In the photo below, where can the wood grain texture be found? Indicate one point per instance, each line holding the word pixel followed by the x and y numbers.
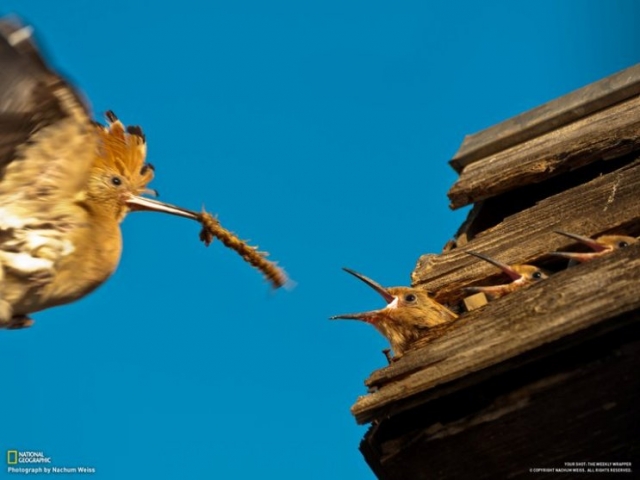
pixel 579 404
pixel 568 302
pixel 600 205
pixel 606 134
pixel 547 117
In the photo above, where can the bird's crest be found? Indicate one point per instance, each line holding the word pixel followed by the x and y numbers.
pixel 125 150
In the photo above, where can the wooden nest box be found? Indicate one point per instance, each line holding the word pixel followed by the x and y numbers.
pixel 547 376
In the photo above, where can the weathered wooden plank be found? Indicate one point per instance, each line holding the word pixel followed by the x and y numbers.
pixel 570 301
pixel 470 381
pixel 604 203
pixel 606 134
pixel 576 405
pixel 547 117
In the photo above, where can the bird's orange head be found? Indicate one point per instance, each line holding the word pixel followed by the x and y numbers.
pixel 405 305
pixel 119 174
pixel 409 313
pixel 520 273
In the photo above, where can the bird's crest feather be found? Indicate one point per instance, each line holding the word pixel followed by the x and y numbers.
pixel 125 150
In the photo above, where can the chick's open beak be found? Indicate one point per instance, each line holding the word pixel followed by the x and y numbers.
pixel 369 315
pixel 591 243
pixel 502 266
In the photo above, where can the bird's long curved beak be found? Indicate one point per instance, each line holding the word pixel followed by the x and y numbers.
pixel 579 257
pixel 363 316
pixel 384 293
pixel 591 243
pixel 502 266
pixel 137 203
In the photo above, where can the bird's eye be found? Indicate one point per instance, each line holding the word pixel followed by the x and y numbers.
pixel 410 297
pixel 537 275
pixel 117 181
pixel 623 244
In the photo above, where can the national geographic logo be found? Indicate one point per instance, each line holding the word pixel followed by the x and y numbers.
pixel 15 457
pixel 35 462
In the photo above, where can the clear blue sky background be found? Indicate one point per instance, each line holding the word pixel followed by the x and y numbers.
pixel 320 131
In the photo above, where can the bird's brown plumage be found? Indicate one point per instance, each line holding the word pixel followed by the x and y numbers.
pixel 65 185
pixel 521 275
pixel 409 313
pixel 47 146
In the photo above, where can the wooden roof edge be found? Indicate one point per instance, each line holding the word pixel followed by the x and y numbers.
pixel 608 134
pixel 598 206
pixel 568 302
pixel 618 325
pixel 549 116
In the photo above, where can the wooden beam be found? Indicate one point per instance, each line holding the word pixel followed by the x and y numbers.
pixel 604 203
pixel 548 117
pixel 606 134
pixel 568 302
pixel 580 403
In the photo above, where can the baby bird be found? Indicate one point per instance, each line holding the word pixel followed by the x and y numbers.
pixel 408 314
pixel 600 246
pixel 521 275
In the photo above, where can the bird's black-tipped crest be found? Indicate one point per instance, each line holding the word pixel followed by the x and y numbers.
pixel 136 130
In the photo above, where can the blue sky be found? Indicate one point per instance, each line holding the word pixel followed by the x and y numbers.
pixel 321 131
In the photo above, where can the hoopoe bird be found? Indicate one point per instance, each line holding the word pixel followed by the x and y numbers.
pixel 66 183
pixel 408 314
pixel 600 246
pixel 520 275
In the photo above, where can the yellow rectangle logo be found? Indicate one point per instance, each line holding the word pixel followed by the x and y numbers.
pixel 12 457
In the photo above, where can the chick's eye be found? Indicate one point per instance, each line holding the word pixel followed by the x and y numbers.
pixel 117 181
pixel 410 297
pixel 537 275
pixel 622 244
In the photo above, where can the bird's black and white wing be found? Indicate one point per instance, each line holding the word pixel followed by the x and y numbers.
pixel 47 146
pixel 47 139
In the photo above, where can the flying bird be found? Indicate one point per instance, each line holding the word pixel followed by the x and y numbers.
pixel 521 275
pixel 408 314
pixel 66 183
pixel 600 246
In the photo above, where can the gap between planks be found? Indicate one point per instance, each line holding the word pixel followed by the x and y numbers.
pixel 606 134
